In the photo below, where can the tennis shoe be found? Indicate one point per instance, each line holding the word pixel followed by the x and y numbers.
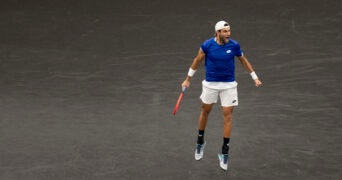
pixel 223 158
pixel 199 151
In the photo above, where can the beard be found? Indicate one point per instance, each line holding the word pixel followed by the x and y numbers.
pixel 223 40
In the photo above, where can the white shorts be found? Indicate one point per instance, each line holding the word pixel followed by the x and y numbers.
pixel 228 97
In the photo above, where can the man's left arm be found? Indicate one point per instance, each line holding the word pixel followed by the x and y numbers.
pixel 245 63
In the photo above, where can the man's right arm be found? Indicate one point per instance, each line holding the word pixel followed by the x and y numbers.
pixel 193 68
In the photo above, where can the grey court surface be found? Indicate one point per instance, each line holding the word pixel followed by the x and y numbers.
pixel 87 90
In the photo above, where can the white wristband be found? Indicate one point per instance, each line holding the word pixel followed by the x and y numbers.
pixel 191 72
pixel 254 76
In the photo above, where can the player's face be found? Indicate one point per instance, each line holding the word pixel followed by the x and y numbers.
pixel 224 35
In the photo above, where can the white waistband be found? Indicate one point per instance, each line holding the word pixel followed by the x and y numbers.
pixel 219 85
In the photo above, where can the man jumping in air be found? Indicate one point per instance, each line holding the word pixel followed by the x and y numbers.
pixel 219 53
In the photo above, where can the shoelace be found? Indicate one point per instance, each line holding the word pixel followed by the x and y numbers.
pixel 198 148
pixel 225 159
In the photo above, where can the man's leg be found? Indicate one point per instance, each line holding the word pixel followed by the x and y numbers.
pixel 227 113
pixel 202 122
pixel 209 98
pixel 229 100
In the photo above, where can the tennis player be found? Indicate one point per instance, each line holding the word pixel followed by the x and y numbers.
pixel 219 53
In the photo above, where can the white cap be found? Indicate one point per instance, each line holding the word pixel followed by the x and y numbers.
pixel 220 25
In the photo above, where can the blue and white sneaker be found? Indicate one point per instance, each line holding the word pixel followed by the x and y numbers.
pixel 223 158
pixel 199 151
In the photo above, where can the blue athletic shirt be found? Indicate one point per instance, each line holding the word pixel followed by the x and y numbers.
pixel 219 60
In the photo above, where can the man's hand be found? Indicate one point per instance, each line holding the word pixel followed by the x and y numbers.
pixel 257 83
pixel 186 83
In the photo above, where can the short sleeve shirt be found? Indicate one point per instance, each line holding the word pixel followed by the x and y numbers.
pixel 219 60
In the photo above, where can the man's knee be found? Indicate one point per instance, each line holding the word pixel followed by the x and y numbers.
pixel 206 108
pixel 227 112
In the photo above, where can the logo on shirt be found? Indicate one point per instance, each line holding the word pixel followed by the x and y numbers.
pixel 228 51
